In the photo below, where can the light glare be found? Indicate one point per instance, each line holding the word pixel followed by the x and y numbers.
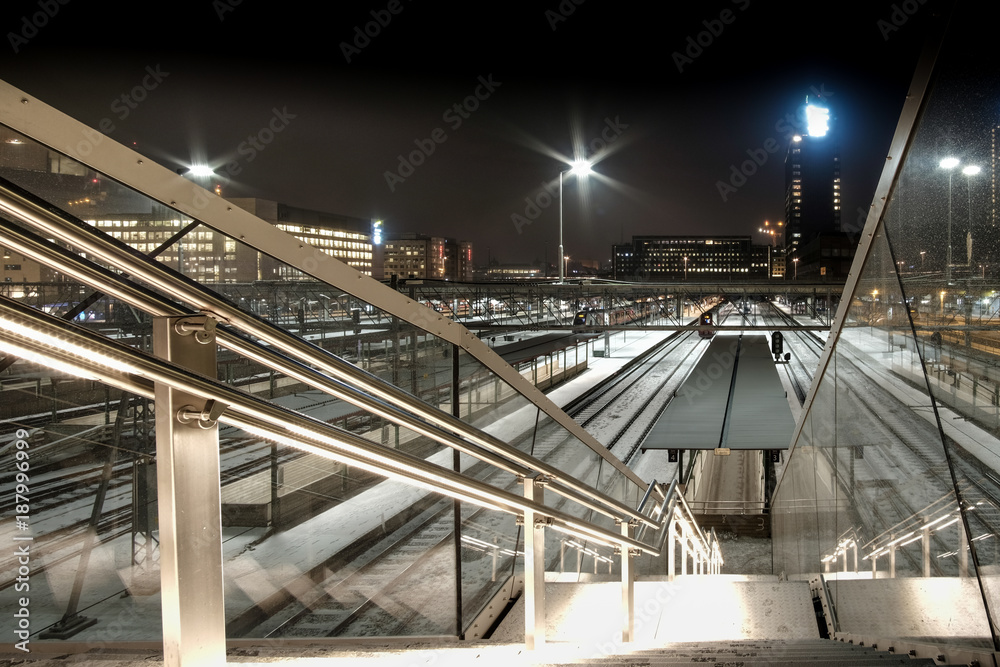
pixel 580 168
pixel 817 120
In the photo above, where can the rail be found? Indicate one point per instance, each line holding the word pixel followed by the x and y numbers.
pixel 69 348
pixel 919 527
pixel 299 359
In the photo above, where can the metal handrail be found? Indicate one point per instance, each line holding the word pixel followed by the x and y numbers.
pixel 74 232
pixel 135 371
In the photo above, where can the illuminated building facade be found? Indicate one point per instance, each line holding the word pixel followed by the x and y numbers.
pixel 345 238
pixel 513 272
pixel 202 253
pixel 411 255
pixel 701 258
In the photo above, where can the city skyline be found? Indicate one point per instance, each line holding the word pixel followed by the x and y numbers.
pixel 389 111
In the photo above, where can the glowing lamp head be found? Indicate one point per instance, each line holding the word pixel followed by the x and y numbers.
pixel 971 170
pixel 201 170
pixel 948 163
pixel 817 120
pixel 580 168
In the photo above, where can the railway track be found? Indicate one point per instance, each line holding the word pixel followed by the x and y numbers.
pixel 380 589
pixel 903 463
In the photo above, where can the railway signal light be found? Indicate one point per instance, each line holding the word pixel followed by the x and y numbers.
pixel 777 344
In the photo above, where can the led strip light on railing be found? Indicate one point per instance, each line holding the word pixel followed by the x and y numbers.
pixel 111 283
pixel 77 351
pixel 152 272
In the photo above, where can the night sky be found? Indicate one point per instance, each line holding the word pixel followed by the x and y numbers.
pixel 295 102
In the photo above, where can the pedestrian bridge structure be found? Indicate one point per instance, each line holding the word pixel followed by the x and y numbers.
pixel 420 488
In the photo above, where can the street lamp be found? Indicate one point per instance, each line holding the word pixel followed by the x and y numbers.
pixel 580 168
pixel 923 255
pixel 948 163
pixel 795 264
pixel 685 267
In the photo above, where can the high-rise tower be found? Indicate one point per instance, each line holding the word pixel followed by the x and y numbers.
pixel 812 181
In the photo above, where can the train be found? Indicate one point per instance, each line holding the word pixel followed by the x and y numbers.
pixel 706 320
pixel 598 317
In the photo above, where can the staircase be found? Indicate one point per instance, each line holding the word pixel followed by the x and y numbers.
pixel 713 619
pixel 745 653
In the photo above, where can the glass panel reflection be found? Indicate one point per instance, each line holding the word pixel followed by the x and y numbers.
pixel 313 546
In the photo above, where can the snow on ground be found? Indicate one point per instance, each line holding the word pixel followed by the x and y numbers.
pixel 256 567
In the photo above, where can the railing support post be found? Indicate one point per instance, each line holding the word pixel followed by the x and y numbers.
pixel 892 557
pixel 925 545
pixel 684 549
pixel 671 548
pixel 534 567
pixel 628 587
pixel 189 498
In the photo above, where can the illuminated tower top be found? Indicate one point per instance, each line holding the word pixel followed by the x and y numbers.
pixel 812 179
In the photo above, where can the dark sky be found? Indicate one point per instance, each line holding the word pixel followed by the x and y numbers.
pixel 601 77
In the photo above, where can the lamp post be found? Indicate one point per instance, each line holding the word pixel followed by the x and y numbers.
pixel 969 172
pixel 685 267
pixel 948 163
pixel 795 264
pixel 923 256
pixel 871 317
pixel 580 168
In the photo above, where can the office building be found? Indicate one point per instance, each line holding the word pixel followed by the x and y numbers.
pixel 410 255
pixel 146 226
pixel 702 258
